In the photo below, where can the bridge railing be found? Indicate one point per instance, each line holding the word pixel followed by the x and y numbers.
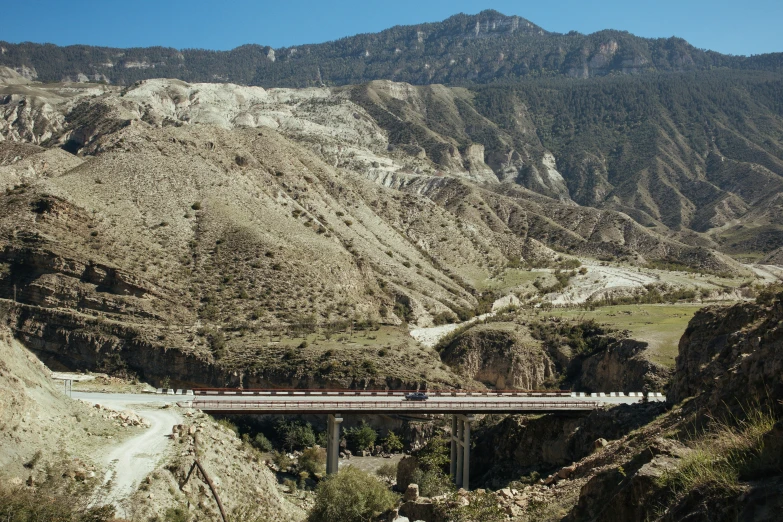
pixel 423 406
pixel 387 393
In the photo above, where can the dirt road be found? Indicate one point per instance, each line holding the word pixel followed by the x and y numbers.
pixel 132 460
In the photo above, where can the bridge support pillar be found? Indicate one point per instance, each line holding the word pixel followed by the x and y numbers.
pixel 453 468
pixel 460 450
pixel 333 442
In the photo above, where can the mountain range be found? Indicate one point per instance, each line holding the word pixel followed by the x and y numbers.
pixel 213 216
pixel 464 49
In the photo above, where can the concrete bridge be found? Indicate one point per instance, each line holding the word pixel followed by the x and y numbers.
pixel 461 405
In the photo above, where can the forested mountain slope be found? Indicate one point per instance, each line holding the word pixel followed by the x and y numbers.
pixel 481 48
pixel 700 151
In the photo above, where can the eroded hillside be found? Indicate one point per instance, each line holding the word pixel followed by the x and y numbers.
pixel 200 231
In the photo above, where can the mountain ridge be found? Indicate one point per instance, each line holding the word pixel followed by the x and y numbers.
pixel 460 50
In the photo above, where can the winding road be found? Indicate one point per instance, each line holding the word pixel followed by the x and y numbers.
pixel 131 461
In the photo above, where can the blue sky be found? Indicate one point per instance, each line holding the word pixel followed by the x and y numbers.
pixel 748 27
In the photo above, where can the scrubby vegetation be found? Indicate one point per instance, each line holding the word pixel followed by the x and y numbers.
pixel 54 500
pixel 724 454
pixel 483 507
pixel 650 294
pixel 530 52
pixel 428 467
pixel 584 337
pixel 351 495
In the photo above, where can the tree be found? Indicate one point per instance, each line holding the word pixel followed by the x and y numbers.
pixel 361 437
pixel 351 495
pixel 392 443
pixel 295 435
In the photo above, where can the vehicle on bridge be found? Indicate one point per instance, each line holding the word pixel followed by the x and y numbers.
pixel 416 396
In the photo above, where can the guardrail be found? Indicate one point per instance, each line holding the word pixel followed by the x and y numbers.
pixel 386 393
pixel 391 406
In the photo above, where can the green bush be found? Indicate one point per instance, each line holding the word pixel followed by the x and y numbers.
pixel 391 442
pixel 281 460
pixel 361 437
pixel 435 454
pixel 295 435
pixel 261 443
pixel 483 507
pixel 176 514
pixel 388 471
pixel 351 495
pixel 291 484
pixel 313 460
pixel 432 482
pixel 50 502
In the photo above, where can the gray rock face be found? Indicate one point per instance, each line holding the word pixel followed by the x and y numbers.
pixel 519 444
pixel 623 367
pixel 502 356
pixel 730 356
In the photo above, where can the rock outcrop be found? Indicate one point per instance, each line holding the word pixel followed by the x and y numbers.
pixel 622 366
pixel 519 444
pixel 500 355
pixel 731 357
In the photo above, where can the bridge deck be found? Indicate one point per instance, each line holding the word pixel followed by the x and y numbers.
pixel 394 406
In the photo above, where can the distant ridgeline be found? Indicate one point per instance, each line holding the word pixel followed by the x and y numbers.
pixel 482 48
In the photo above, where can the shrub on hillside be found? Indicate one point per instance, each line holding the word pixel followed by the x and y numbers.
pixel 432 482
pixel 483 507
pixel 351 495
pixel 261 443
pixel 50 501
pixel 387 471
pixel 313 460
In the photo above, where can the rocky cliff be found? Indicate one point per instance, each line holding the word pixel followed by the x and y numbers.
pixel 623 366
pixel 502 356
pixel 465 48
pixel 728 369
pixel 714 452
pixel 731 357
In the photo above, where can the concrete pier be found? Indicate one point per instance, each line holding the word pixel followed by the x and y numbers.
pixel 333 442
pixel 460 450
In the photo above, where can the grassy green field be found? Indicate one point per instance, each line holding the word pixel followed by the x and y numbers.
pixel 659 325
pixel 508 279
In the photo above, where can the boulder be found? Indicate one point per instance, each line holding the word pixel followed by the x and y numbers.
pixel 566 472
pixel 422 509
pixel 411 493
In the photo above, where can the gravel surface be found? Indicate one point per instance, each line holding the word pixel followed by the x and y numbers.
pixel 131 461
